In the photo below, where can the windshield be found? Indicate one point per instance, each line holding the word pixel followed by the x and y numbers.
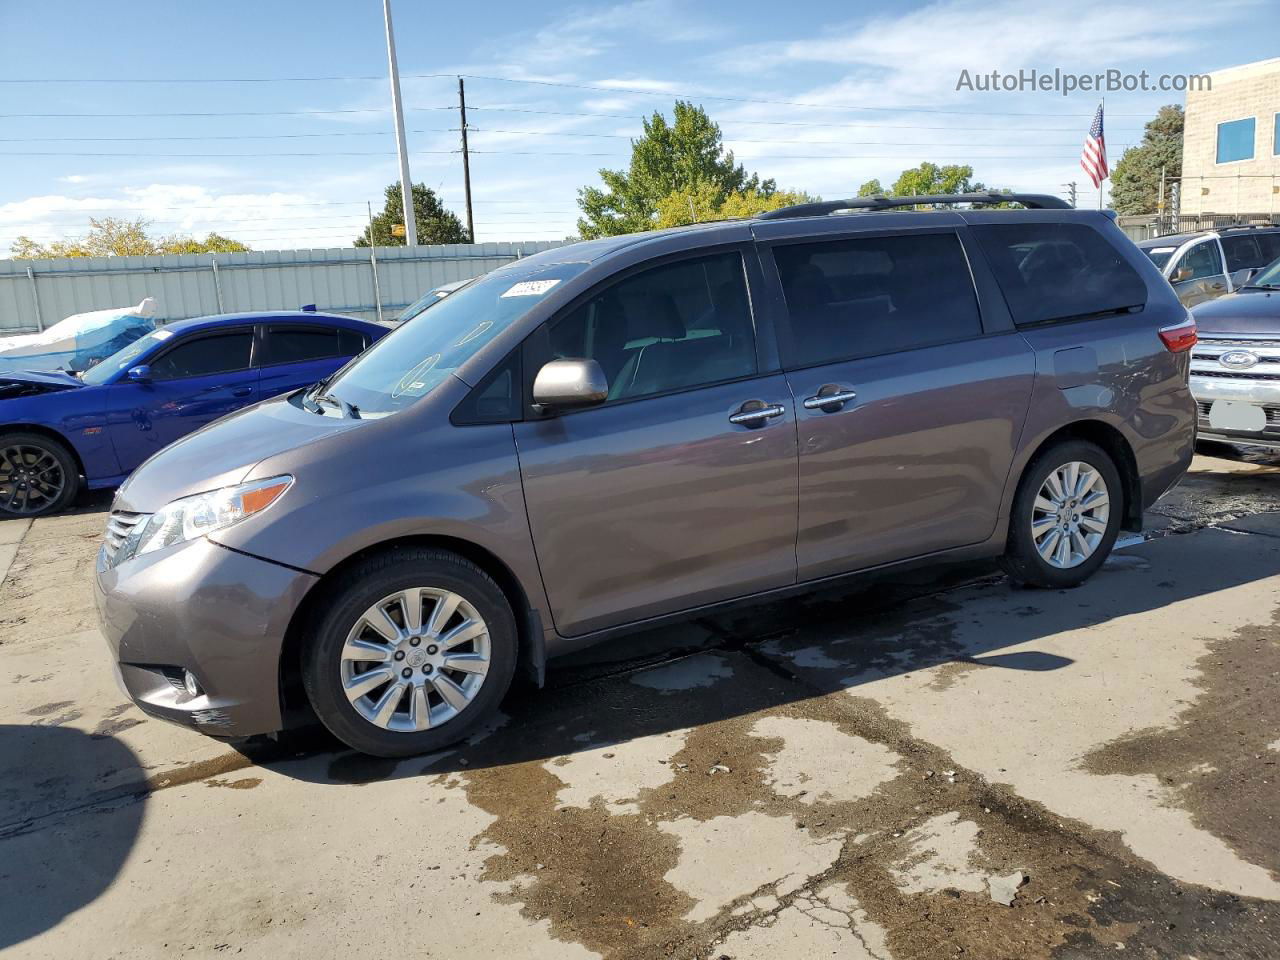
pixel 1269 277
pixel 123 359
pixel 1159 255
pixel 418 355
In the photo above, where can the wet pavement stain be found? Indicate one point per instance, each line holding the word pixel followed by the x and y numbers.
pixel 244 783
pixel 1221 757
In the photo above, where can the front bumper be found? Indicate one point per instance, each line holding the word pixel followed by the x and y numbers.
pixel 201 607
pixel 1264 393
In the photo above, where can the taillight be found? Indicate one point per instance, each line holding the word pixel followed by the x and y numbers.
pixel 1180 337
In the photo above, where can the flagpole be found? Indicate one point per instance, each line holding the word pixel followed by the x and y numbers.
pixel 1102 184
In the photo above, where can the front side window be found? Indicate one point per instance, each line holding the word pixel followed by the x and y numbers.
pixel 419 355
pixel 1200 262
pixel 669 328
pixel 1058 271
pixel 875 295
pixel 1235 140
pixel 205 357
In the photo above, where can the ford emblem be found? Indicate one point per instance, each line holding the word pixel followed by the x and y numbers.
pixel 1238 359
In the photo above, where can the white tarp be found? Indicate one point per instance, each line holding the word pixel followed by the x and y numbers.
pixel 78 342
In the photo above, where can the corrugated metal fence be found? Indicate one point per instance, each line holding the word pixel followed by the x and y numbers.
pixel 35 294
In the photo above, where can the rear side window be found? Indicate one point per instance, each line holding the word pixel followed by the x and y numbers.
pixel 289 344
pixel 205 357
pixel 1058 271
pixel 1243 253
pixel 874 295
pixel 1270 244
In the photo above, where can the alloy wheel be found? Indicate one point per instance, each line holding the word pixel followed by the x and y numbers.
pixel 31 479
pixel 415 659
pixel 1070 513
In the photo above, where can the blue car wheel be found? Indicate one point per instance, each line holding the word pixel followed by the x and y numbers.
pixel 38 475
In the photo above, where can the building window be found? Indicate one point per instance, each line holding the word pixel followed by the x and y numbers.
pixel 1235 140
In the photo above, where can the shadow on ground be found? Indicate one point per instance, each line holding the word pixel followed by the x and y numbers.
pixel 883 626
pixel 53 861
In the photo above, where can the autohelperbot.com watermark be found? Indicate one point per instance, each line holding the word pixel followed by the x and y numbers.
pixel 1057 80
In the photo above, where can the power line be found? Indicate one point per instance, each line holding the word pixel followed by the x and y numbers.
pixel 668 94
pixel 786 123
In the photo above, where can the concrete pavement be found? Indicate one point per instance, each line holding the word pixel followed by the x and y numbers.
pixel 862 774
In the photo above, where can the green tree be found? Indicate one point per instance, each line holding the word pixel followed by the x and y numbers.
pixel 212 243
pixel 435 223
pixel 686 155
pixel 929 178
pixel 1135 181
pixel 115 237
pixel 704 202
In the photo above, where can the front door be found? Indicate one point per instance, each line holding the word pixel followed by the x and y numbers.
pixel 193 383
pixel 680 489
pixel 908 414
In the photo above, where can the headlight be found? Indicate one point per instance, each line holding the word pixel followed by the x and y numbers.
pixel 202 513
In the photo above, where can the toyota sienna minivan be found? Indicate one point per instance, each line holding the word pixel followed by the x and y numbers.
pixel 619 432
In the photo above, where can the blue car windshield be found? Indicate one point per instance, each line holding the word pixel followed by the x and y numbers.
pixel 417 356
pixel 100 373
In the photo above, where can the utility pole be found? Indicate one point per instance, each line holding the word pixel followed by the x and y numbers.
pixel 406 184
pixel 466 159
pixel 1071 191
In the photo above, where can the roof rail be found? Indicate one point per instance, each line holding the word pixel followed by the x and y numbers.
pixel 1033 201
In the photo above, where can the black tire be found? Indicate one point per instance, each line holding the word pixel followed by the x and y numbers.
pixel 39 454
pixel 1022 561
pixel 368 583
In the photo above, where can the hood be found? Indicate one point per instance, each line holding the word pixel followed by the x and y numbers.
pixel 30 383
pixel 1250 311
pixel 223 453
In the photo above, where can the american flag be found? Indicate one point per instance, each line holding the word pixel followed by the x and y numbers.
pixel 1094 156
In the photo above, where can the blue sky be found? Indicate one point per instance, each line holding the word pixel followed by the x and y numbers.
pixel 871 90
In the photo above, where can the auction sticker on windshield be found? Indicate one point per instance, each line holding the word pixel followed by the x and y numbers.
pixel 530 288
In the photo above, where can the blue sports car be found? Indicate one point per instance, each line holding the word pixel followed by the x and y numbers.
pixel 59 432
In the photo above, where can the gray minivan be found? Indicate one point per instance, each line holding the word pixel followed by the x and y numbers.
pixel 621 431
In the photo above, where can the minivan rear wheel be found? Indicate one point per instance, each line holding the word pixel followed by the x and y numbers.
pixel 1066 515
pixel 412 655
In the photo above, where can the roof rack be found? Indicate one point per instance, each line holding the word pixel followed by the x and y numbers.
pixel 1032 201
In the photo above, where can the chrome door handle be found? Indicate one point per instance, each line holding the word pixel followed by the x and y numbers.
pixel 758 414
pixel 829 400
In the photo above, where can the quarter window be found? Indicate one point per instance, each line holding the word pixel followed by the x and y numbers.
pixel 205 357
pixel 875 295
pixel 1058 271
pixel 673 327
pixel 1235 140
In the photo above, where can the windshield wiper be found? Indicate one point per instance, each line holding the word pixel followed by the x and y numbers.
pixel 346 409
pixel 1259 286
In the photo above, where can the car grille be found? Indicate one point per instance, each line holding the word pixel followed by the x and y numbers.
pixel 1250 374
pixel 1273 414
pixel 119 525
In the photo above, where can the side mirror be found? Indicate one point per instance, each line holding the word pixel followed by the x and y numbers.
pixel 1181 274
pixel 569 384
pixel 139 374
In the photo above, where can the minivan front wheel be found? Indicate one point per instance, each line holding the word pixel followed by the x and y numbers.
pixel 1066 515
pixel 414 654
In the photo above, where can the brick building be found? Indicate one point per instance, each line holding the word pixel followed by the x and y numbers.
pixel 1231 145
